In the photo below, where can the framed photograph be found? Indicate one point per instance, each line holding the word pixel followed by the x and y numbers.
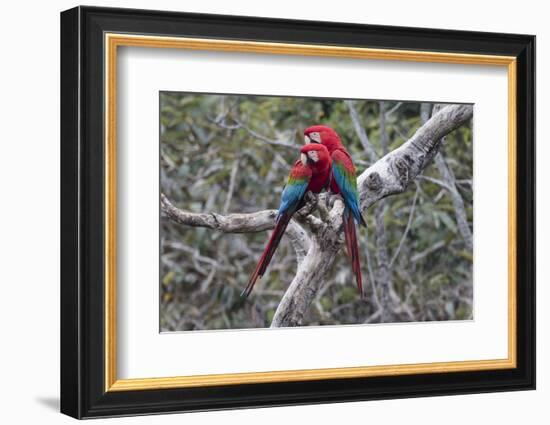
pixel 261 212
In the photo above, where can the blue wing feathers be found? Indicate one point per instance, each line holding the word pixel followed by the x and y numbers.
pixel 349 193
pixel 292 194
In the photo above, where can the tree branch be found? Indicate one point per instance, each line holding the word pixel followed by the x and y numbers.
pixel 392 173
pixel 407 228
pixel 306 282
pixel 384 271
pixel 238 223
pixel 231 223
pixel 360 131
pixel 232 179
pixel 458 202
pixel 299 240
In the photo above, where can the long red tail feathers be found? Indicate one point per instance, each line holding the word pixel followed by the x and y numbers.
pixel 267 255
pixel 352 249
pixel 346 222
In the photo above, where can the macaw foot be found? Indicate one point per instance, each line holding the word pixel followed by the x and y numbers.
pixel 332 198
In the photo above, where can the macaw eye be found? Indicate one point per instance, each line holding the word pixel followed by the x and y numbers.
pixel 315 137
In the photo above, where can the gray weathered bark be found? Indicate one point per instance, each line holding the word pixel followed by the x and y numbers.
pixel 238 223
pixel 308 278
pixel 384 272
pixel 360 131
pixel 392 173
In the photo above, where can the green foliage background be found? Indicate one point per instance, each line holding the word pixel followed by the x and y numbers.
pixel 205 137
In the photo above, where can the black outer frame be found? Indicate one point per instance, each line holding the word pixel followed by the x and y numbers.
pixel 82 218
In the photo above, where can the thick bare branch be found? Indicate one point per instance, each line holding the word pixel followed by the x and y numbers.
pixel 299 239
pixel 306 282
pixel 370 269
pixel 275 142
pixel 237 223
pixel 231 223
pixel 393 109
pixel 392 173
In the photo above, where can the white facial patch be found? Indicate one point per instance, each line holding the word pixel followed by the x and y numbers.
pixel 315 136
pixel 313 155
pixel 303 158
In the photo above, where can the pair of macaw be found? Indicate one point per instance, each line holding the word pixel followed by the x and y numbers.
pixel 324 164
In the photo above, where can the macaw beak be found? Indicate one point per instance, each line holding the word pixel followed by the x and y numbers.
pixel 306 139
pixel 303 158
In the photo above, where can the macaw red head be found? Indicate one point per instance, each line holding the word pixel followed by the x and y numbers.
pixel 315 155
pixel 324 135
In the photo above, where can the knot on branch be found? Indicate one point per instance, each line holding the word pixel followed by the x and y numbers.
pixel 374 181
pixel 217 219
pixel 402 166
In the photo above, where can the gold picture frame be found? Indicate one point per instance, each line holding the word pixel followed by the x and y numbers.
pixel 114 41
pixel 91 40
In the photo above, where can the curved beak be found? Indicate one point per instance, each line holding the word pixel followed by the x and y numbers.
pixel 303 158
pixel 306 139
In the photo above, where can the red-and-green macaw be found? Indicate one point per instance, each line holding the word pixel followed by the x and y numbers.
pixel 343 182
pixel 310 173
